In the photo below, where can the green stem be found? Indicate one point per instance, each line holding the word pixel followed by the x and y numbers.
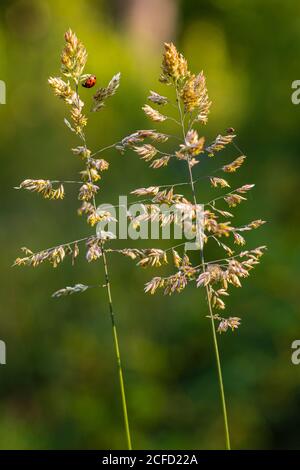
pixel 112 316
pixel 221 384
pixel 215 341
pixel 117 351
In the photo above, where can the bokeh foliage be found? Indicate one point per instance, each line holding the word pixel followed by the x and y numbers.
pixel 59 388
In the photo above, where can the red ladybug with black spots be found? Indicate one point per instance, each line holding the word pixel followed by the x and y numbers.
pixel 230 130
pixel 90 81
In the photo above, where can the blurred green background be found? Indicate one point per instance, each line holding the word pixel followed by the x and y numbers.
pixel 59 388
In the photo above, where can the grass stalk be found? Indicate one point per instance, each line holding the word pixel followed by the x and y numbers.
pixel 117 350
pixel 214 334
pixel 111 312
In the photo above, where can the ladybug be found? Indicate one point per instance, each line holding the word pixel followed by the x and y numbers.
pixel 230 130
pixel 90 81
